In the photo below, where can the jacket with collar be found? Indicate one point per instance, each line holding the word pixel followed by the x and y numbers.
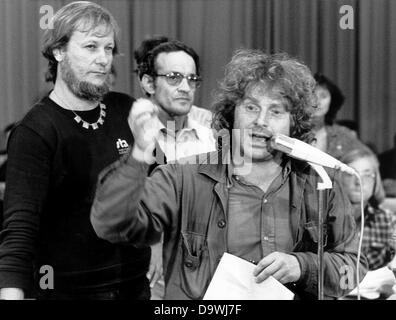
pixel 189 204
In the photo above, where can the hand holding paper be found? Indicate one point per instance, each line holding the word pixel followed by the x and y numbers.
pixel 234 280
pixel 282 266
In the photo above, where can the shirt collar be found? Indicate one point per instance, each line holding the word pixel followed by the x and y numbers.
pixel 190 126
pixel 221 169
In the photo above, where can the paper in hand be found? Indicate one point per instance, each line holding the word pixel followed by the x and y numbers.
pixel 234 280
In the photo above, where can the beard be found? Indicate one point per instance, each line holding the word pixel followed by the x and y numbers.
pixel 83 89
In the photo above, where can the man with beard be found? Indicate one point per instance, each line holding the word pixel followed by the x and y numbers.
pixel 48 248
pixel 249 200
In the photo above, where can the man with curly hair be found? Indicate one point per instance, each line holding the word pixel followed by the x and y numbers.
pixel 249 200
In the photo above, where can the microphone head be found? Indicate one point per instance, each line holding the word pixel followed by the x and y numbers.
pixel 280 142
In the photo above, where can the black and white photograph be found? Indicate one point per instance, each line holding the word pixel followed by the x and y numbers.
pixel 196 157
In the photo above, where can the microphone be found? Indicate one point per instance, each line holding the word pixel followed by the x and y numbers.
pixel 303 151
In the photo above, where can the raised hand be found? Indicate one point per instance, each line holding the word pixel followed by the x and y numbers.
pixel 145 126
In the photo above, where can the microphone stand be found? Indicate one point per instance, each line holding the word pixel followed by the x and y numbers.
pixel 321 187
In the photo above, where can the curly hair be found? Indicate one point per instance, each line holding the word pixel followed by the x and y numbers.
pixel 291 78
pixel 81 16
pixel 336 97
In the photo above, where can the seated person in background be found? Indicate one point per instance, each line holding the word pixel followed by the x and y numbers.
pixel 330 137
pixel 379 224
pixel 387 161
pixel 249 200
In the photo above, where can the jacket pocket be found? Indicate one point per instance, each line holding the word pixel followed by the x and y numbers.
pixel 194 268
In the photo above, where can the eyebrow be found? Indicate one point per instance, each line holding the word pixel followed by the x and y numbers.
pixel 251 99
pixel 93 40
pixel 278 104
pixel 179 72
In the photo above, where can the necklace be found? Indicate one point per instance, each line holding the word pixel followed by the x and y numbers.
pixel 84 123
pixel 94 125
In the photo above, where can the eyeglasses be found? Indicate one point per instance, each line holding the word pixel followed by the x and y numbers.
pixel 176 78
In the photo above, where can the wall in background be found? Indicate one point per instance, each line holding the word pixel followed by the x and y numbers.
pixel 362 61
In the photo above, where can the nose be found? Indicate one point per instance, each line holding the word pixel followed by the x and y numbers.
pixel 262 118
pixel 103 57
pixel 184 86
pixel 356 182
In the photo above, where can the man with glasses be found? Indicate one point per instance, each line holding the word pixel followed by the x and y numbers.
pixel 169 75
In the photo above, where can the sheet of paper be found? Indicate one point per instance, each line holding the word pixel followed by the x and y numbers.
pixel 371 285
pixel 233 280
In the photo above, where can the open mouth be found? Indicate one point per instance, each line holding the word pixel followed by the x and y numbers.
pixel 261 134
pixel 260 138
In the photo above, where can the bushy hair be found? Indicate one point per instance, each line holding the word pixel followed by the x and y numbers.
pixel 81 16
pixel 279 72
pixel 336 97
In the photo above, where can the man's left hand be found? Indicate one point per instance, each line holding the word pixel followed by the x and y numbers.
pixel 155 270
pixel 282 266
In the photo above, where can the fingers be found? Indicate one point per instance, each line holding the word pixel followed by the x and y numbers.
pixel 142 111
pixel 156 263
pixel 283 267
pixel 266 269
pixel 141 119
pixel 281 275
pixel 143 105
pixel 156 276
pixel 264 263
pixel 150 272
pixel 145 126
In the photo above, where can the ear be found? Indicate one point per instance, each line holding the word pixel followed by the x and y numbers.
pixel 59 54
pixel 148 84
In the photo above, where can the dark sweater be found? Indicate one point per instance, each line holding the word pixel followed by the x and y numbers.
pixel 53 164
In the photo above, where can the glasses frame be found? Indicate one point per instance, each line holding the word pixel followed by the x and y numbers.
pixel 194 81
